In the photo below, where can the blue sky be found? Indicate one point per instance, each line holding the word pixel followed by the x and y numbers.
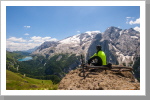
pixel 32 25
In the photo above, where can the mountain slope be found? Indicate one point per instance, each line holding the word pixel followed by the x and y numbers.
pixel 125 44
pixel 75 45
pixel 98 81
pixel 16 81
pixel 120 46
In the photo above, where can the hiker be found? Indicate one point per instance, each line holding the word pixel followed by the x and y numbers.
pixel 99 57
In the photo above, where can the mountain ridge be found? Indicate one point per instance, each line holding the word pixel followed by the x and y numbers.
pixel 122 47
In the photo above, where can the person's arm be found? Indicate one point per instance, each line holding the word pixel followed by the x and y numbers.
pixel 93 55
pixel 91 58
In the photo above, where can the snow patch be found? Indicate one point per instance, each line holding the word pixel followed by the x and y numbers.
pixel 70 40
pixel 120 32
pixel 134 37
pixel 92 32
pixel 115 48
pixel 125 59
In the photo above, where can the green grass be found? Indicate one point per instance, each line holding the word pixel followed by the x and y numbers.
pixel 16 81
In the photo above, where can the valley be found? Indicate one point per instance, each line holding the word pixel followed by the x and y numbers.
pixel 52 61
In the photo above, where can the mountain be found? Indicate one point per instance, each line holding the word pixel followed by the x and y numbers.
pixel 99 81
pixel 75 45
pixel 121 46
pixel 125 44
pixel 31 50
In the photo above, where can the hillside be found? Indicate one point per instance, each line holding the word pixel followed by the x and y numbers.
pixel 16 81
pixel 98 81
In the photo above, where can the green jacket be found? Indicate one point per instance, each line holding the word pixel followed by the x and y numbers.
pixel 102 55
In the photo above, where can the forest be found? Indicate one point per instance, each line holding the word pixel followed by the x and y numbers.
pixel 40 67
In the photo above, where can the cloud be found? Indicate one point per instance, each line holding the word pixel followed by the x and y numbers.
pixel 137 28
pixel 78 31
pixel 20 44
pixel 26 34
pixel 137 21
pixel 36 38
pixel 16 39
pixel 118 26
pixel 128 18
pixel 42 39
pixel 27 26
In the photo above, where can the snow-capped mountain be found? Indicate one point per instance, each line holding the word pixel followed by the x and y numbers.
pixel 77 44
pixel 121 46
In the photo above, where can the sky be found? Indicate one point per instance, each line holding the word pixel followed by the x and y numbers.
pixel 30 26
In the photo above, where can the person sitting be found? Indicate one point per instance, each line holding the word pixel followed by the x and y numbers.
pixel 99 57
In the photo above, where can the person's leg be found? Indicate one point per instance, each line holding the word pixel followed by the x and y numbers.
pixel 97 61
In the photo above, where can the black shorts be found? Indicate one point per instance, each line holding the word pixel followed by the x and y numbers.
pixel 96 61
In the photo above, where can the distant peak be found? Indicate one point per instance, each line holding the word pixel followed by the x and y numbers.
pixel 113 27
pixel 131 29
pixel 92 32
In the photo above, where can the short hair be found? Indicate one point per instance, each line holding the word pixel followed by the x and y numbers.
pixel 98 47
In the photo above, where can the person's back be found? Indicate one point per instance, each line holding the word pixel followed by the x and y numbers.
pixel 102 55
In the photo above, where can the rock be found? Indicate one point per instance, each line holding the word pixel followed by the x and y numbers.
pixel 98 81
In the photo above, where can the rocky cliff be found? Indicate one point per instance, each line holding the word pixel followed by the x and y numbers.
pixel 100 80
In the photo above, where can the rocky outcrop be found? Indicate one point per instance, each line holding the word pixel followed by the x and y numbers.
pixel 124 44
pixel 99 81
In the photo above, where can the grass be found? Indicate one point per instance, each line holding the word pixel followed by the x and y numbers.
pixel 16 81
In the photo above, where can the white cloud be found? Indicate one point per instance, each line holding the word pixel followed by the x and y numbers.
pixel 21 44
pixel 46 38
pixel 128 18
pixel 16 39
pixel 36 39
pixel 42 39
pixel 53 39
pixel 26 34
pixel 137 21
pixel 27 26
pixel 137 28
pixel 78 31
